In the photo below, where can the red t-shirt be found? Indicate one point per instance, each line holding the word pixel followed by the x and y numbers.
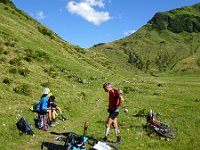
pixel 113 98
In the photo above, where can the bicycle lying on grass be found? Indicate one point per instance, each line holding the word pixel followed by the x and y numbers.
pixel 161 128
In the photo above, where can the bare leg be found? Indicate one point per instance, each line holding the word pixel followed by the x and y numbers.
pixel 108 124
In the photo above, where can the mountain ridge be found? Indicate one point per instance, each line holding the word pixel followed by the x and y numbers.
pixel 166 39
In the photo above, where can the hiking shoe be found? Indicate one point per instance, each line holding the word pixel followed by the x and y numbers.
pixel 57 122
pixel 119 141
pixel 105 139
pixel 52 124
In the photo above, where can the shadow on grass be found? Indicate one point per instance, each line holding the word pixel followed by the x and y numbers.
pixel 52 146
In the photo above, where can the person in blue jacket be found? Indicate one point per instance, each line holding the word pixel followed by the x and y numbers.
pixel 43 106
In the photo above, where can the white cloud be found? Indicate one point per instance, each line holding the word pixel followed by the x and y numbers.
pixel 98 3
pixel 40 15
pixel 129 32
pixel 86 10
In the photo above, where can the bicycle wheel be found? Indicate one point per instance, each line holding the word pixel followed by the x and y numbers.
pixel 164 133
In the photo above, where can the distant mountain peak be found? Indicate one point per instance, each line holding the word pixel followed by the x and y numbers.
pixel 178 20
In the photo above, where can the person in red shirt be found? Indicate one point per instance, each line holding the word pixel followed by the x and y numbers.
pixel 115 100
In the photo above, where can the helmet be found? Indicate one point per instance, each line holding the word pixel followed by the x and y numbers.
pixel 46 91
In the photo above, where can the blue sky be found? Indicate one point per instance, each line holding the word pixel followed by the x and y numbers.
pixel 88 22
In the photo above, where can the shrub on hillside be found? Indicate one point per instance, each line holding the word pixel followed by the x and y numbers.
pixel 34 54
pixel 2 59
pixel 46 31
pixel 45 84
pixel 128 89
pixel 76 78
pixel 6 81
pixel 13 70
pixel 15 61
pixel 51 71
pixel 24 72
pixel 10 43
pixel 23 89
pixel 21 71
pixel 6 8
pixel 80 50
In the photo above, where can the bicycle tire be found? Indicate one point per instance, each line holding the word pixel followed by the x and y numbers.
pixel 164 133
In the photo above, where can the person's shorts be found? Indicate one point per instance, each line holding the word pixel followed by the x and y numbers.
pixel 53 105
pixel 113 114
pixel 43 112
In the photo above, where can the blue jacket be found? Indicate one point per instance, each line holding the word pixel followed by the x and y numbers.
pixel 43 104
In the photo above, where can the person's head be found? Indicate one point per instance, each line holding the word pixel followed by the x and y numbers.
pixel 52 99
pixel 107 86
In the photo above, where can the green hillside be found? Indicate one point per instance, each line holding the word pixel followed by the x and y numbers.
pixel 169 41
pixel 33 57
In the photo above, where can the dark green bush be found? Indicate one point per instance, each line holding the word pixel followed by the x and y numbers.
pixel 51 72
pixel 28 59
pixel 24 72
pixel 7 81
pixel 75 78
pixel 128 89
pixel 6 8
pixel 80 50
pixel 10 43
pixel 32 54
pixel 2 59
pixel 15 61
pixel 45 84
pixel 46 31
pixel 13 70
pixel 23 89
pixel 5 52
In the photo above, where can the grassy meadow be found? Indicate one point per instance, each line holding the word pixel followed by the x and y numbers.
pixel 175 101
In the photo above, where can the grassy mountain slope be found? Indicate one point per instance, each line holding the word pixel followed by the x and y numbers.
pixel 162 44
pixel 33 57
